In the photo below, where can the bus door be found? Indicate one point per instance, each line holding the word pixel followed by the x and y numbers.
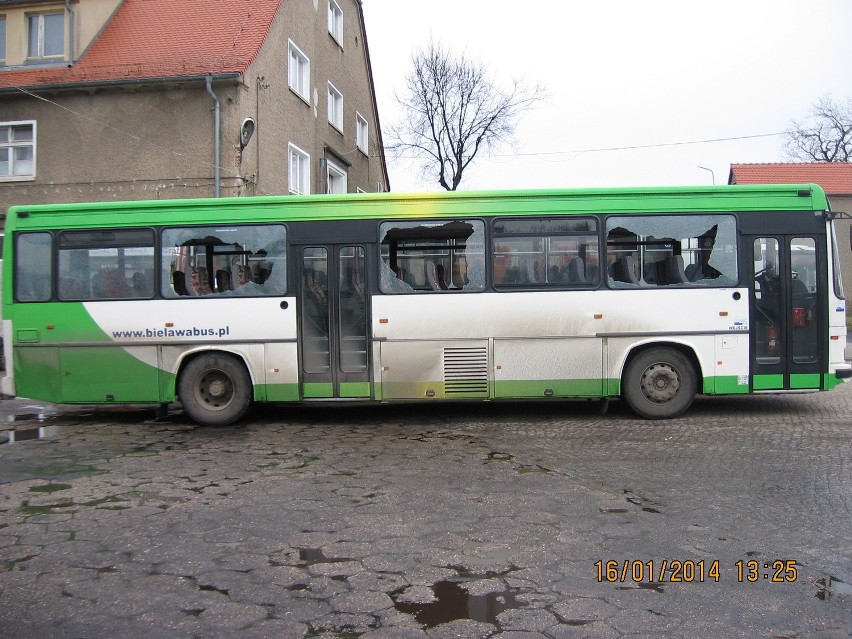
pixel 334 322
pixel 786 326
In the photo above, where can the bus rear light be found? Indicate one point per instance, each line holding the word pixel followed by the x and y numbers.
pixel 723 313
pixel 598 315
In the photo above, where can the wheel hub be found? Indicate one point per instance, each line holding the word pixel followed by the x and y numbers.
pixel 217 388
pixel 660 383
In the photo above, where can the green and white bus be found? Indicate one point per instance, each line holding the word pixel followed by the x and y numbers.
pixel 652 295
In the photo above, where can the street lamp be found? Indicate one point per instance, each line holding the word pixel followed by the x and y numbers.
pixel 712 175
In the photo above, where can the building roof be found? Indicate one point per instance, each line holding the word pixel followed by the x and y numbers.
pixel 834 177
pixel 153 39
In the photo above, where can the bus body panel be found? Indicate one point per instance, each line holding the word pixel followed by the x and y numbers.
pixel 557 343
pixel 109 354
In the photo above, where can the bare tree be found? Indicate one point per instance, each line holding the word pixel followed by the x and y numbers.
pixel 454 110
pixel 825 136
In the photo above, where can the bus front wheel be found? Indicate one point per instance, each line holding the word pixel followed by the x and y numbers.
pixel 659 383
pixel 215 390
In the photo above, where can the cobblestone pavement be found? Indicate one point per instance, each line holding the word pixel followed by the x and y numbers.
pixel 463 520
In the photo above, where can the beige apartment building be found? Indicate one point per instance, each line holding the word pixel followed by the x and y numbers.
pixel 153 99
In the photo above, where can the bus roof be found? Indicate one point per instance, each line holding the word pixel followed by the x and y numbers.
pixel 645 200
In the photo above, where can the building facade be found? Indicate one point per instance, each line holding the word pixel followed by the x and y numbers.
pixel 155 99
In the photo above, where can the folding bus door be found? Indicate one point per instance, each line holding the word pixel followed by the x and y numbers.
pixel 334 323
pixel 787 325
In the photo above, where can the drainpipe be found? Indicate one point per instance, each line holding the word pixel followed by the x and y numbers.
pixel 71 43
pixel 217 179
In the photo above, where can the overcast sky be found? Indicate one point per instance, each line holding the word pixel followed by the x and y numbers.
pixel 626 73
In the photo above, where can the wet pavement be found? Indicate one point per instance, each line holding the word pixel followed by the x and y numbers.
pixel 463 520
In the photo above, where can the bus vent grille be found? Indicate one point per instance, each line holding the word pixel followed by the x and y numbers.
pixel 466 372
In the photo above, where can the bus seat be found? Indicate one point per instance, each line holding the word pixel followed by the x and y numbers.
pixel 434 273
pixel 244 275
pixel 674 270
pixel 577 270
pixel 223 281
pixel 179 283
pixel 624 270
pixel 204 281
pixel 692 272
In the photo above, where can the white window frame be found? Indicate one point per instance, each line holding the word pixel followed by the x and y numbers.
pixel 335 107
pixel 38 19
pixel 337 180
pixel 8 146
pixel 298 170
pixel 335 21
pixel 298 71
pixel 362 133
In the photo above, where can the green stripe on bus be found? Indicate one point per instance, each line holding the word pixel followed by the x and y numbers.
pixel 317 390
pixel 767 382
pixel 724 385
pixel 354 389
pixel 806 380
pixel 276 393
pixel 549 388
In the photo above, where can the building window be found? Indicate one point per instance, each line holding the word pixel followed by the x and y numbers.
pixel 300 171
pixel 299 72
pixel 17 150
pixel 335 107
pixel 2 39
pixel 46 35
pixel 335 21
pixel 336 179
pixel 362 131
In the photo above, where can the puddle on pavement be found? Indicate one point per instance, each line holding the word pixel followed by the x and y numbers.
pixel 830 587
pixel 453 602
pixel 27 434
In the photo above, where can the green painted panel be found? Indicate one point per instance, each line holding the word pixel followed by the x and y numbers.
pixel 613 387
pixel 277 392
pixel 116 374
pixel 831 381
pixel 557 388
pixel 317 391
pixel 724 385
pixel 37 373
pixel 806 380
pixel 69 321
pixel 768 382
pixel 355 389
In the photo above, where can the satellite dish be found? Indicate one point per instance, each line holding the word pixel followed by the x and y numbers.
pixel 246 131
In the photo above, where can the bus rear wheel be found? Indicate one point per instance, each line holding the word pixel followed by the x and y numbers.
pixel 659 383
pixel 215 390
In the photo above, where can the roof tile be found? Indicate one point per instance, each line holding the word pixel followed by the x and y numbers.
pixel 834 177
pixel 165 38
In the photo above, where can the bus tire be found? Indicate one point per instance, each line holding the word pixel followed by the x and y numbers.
pixel 215 390
pixel 659 383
